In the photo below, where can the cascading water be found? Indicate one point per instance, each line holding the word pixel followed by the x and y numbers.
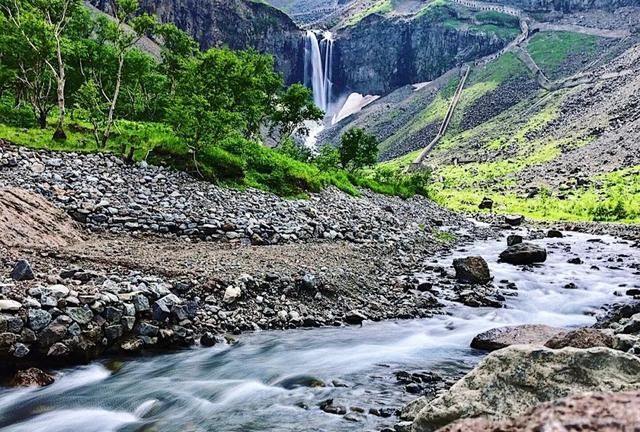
pixel 318 57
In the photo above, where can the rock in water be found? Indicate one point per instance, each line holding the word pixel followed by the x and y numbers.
pixel 591 412
pixel 524 253
pixel 22 271
pixel 514 220
pixel 554 234
pixel 503 337
pixel 472 270
pixel 514 239
pixel 32 377
pixel 581 338
pixel 510 381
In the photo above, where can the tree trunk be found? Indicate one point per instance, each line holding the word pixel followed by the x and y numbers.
pixel 42 119
pixel 114 101
pixel 59 134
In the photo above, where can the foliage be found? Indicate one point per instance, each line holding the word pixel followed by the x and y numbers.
pixel 563 43
pixel 293 108
pixel 357 149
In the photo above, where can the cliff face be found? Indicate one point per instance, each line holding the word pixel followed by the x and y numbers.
pixel 381 54
pixel 237 24
pixel 568 6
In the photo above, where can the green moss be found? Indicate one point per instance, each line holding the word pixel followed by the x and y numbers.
pixel 551 49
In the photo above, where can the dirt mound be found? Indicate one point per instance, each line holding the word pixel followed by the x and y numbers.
pixel 29 220
pixel 601 412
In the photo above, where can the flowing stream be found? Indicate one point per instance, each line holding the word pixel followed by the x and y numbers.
pixel 251 386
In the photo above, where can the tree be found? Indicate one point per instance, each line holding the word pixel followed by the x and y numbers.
pixel 126 31
pixel 222 93
pixel 358 149
pixel 295 107
pixel 42 24
pixel 178 48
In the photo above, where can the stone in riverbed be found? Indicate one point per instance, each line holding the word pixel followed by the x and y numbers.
pixel 32 377
pixel 328 407
pixel 581 338
pixel 38 319
pixel 9 306
pixel 231 294
pixel 355 317
pixel 209 339
pixel 81 315
pixel 514 239
pixel 554 234
pixel 22 271
pixel 524 253
pixel 503 337
pixel 514 220
pixel 510 381
pixel 472 270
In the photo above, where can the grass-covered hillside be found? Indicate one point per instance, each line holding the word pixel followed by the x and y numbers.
pixel 569 154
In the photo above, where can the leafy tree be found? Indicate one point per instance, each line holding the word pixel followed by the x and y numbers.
pixel 42 25
pixel 178 48
pixel 294 107
pixel 358 149
pixel 328 158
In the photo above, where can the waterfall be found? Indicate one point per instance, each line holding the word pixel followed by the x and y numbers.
pixel 318 57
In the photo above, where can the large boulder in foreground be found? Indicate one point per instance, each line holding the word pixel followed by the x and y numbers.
pixel 472 270
pixel 524 253
pixel 589 412
pixel 581 338
pixel 498 338
pixel 512 380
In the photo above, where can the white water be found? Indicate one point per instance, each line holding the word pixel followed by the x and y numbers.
pixel 236 388
pixel 318 67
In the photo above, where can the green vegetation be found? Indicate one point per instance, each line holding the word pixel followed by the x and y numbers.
pixel 73 81
pixel 379 7
pixel 563 43
pixel 358 150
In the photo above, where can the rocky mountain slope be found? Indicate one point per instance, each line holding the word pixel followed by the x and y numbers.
pixel 238 24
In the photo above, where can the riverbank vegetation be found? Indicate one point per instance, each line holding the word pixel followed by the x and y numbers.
pixel 75 80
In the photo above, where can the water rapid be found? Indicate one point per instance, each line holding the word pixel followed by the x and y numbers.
pixel 252 385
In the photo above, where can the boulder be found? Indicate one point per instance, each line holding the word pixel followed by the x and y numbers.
pixel 554 234
pixel 355 317
pixel 590 412
pixel 22 271
pixel 31 378
pixel 231 294
pixel 581 338
pixel 486 204
pixel 510 381
pixel 502 337
pixel 524 253
pixel 514 220
pixel 9 306
pixel 473 270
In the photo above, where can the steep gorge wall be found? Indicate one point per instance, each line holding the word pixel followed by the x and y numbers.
pixel 237 24
pixel 381 54
pixel 569 6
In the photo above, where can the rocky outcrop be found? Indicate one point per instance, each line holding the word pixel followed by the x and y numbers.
pixel 238 24
pixel 592 412
pixel 568 6
pixel 510 381
pixel 380 54
pixel 498 338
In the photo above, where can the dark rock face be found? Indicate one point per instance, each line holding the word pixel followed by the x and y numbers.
pixel 380 54
pixel 581 338
pixel 473 270
pixel 524 253
pixel 569 5
pixel 237 24
pixel 503 337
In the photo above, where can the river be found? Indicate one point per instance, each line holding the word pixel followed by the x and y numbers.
pixel 251 385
